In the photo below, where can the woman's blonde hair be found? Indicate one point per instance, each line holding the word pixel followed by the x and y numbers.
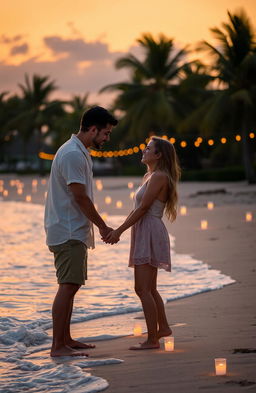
pixel 168 163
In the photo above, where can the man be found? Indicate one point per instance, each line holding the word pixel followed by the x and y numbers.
pixel 69 218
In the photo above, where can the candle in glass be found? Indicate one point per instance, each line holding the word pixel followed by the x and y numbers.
pixel 137 330
pixel 108 200
pixel 210 205
pixel 169 344
pixel 204 224
pixel 220 366
pixel 183 210
pixel 248 216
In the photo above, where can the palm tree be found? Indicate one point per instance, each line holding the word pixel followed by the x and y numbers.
pixel 38 113
pixel 234 67
pixel 147 100
pixel 71 119
pixel 3 115
pixel 10 107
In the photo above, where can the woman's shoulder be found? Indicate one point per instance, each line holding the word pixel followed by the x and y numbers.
pixel 145 177
pixel 160 175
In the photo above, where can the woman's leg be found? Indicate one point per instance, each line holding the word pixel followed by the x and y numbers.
pixel 163 326
pixel 144 275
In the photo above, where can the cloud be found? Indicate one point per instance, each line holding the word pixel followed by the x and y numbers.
pixel 86 69
pixel 19 49
pixel 10 40
pixel 78 48
pixel 69 78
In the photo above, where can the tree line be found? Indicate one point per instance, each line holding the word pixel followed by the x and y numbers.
pixel 165 93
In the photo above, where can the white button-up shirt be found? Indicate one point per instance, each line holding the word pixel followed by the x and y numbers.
pixel 64 219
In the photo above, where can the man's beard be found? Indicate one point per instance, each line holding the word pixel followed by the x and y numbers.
pixel 96 144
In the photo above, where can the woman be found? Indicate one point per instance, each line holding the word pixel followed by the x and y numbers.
pixel 150 245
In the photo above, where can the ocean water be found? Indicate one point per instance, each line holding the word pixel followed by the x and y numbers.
pixel 28 286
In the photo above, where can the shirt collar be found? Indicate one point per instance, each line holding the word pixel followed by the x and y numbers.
pixel 81 145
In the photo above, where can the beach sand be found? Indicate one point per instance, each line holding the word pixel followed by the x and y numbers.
pixel 206 326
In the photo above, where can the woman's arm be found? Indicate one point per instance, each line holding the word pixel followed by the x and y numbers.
pixel 155 184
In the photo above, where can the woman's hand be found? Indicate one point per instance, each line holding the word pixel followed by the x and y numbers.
pixel 112 237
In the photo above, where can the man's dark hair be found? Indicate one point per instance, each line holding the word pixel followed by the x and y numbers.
pixel 97 116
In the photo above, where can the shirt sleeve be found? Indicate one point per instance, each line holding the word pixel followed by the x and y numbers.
pixel 72 168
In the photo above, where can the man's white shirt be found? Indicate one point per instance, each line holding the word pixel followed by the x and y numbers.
pixel 64 219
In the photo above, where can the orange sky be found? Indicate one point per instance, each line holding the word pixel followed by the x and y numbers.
pixel 48 37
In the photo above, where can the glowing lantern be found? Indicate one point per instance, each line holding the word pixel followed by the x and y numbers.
pixel 99 185
pixel 248 216
pixel 204 224
pixel 220 366
pixel 137 330
pixel 119 204
pixel 132 193
pixel 104 216
pixel 183 210
pixel 210 205
pixel 108 200
pixel 169 344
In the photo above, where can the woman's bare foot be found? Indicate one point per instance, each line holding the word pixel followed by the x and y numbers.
pixel 66 351
pixel 79 345
pixel 146 345
pixel 164 332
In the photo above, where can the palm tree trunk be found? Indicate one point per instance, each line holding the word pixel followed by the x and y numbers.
pixel 41 163
pixel 248 156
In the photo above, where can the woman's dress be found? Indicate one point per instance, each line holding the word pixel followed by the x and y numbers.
pixel 150 243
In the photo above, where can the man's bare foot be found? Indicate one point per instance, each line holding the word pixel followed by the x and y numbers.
pixel 66 351
pixel 146 345
pixel 164 332
pixel 79 345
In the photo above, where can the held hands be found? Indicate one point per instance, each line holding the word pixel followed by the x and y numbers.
pixel 104 231
pixel 109 235
pixel 112 237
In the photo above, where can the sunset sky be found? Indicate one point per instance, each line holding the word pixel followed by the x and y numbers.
pixel 77 42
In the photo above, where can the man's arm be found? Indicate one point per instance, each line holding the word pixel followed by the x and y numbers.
pixel 86 205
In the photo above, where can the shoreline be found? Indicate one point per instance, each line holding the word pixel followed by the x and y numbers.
pixel 213 324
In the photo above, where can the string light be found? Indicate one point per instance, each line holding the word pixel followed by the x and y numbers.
pixel 136 149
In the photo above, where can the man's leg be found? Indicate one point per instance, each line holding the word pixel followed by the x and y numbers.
pixel 61 315
pixel 67 335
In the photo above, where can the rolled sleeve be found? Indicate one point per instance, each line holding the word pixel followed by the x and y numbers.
pixel 72 168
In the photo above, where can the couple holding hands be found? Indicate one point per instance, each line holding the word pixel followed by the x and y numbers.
pixel 70 215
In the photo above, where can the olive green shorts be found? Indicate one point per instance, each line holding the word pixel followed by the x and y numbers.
pixel 70 259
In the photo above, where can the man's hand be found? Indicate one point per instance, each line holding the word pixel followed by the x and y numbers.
pixel 104 231
pixel 112 237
